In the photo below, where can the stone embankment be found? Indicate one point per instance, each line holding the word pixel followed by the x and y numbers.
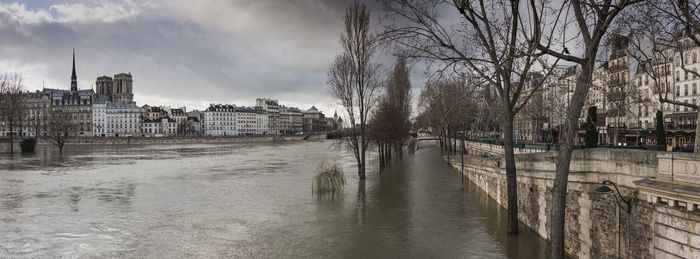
pixel 4 146
pixel 662 223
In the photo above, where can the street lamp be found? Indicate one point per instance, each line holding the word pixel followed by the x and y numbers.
pixel 620 201
pixel 627 208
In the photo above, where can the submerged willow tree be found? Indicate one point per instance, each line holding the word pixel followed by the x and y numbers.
pixel 329 180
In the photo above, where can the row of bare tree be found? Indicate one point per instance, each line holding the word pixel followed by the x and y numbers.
pixel 390 123
pixel 12 107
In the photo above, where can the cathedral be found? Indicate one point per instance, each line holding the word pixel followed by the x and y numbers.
pixel 118 89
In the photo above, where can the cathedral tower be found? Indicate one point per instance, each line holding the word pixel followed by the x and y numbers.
pixel 73 77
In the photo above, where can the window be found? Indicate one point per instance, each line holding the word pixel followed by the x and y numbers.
pixel 685 77
pixel 678 76
pixel 695 89
pixel 686 90
pixel 678 90
pixel 695 57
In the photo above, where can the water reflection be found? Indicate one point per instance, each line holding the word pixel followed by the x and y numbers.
pixel 243 200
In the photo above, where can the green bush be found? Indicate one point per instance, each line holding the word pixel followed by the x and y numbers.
pixel 28 145
pixel 329 180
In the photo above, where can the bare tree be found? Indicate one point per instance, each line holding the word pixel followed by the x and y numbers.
pixel 58 127
pixel 591 19
pixel 13 109
pixel 491 39
pixel 448 105
pixel 353 79
pixel 390 123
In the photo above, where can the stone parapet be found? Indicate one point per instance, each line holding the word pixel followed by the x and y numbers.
pixel 4 147
pixel 681 167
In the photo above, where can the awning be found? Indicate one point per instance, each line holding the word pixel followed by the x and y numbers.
pixel 632 133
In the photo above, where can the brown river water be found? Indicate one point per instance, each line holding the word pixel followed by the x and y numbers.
pixel 244 200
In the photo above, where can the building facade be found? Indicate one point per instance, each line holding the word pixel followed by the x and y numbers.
pixel 163 127
pixel 271 107
pixel 291 121
pixel 219 120
pixel 116 120
pixel 252 121
pixel 314 121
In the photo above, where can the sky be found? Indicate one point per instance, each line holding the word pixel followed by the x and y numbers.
pixel 181 53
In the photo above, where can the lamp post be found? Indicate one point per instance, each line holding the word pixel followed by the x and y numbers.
pixel 620 201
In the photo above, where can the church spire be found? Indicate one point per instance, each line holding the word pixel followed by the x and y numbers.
pixel 73 77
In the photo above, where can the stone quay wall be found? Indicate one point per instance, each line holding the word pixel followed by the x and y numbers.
pixel 594 221
pixel 5 146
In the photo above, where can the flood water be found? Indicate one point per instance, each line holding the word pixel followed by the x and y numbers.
pixel 244 200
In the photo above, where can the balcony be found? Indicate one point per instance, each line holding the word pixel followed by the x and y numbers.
pixel 616 82
pixel 616 96
pixel 618 67
pixel 685 126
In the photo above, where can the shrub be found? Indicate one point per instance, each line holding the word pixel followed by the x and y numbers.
pixel 27 145
pixel 329 180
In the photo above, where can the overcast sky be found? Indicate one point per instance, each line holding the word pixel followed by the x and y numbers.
pixel 180 52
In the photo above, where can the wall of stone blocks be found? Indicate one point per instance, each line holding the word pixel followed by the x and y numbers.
pixel 592 224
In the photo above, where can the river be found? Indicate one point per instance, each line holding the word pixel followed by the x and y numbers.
pixel 244 200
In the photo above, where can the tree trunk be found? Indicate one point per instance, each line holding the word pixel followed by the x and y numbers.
pixel 638 127
pixel 12 140
pixel 564 160
pixel 697 134
pixel 388 152
pixel 462 151
pixel 381 157
pixel 617 128
pixel 511 177
pixel 360 155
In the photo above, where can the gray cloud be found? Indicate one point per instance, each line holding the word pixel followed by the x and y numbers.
pixel 180 53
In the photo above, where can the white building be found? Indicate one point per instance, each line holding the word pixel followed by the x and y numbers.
pixel 252 121
pixel 163 127
pixel 116 119
pixel 219 120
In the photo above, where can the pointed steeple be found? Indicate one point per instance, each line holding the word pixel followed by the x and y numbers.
pixel 73 77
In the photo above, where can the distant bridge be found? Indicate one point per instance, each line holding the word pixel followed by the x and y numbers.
pixel 428 137
pixel 424 138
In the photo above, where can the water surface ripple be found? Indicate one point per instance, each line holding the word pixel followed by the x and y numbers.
pixel 244 200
